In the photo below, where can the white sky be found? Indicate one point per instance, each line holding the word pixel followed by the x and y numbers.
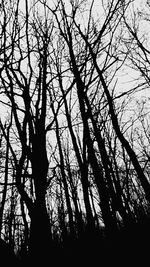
pixel 124 81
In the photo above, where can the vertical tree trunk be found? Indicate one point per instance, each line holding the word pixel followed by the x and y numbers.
pixel 82 165
pixel 114 190
pixel 109 221
pixel 5 182
pixel 140 174
pixel 78 216
pixel 25 240
pixel 61 214
pixel 62 168
pixel 40 231
pixel 40 244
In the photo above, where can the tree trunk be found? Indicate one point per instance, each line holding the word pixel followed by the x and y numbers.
pixel 64 180
pixel 78 216
pixel 40 231
pixel 109 221
pixel 40 244
pixel 140 174
pixel 5 182
pixel 82 165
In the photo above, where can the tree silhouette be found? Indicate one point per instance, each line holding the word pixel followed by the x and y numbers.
pixel 74 174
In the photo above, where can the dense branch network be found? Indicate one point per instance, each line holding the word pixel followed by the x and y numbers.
pixel 74 152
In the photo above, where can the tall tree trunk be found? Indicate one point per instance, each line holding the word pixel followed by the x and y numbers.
pixel 82 164
pixel 62 167
pixel 103 187
pixel 78 216
pixel 140 174
pixel 5 183
pixel 40 244
pixel 109 221
pixel 114 190
pixel 40 232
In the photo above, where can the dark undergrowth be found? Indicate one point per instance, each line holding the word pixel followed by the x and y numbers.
pixel 128 247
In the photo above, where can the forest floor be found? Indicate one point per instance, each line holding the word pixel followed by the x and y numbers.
pixel 130 247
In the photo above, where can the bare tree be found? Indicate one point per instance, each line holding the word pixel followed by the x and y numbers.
pixel 75 169
pixel 25 85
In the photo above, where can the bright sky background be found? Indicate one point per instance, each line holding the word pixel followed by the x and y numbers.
pixel 127 75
